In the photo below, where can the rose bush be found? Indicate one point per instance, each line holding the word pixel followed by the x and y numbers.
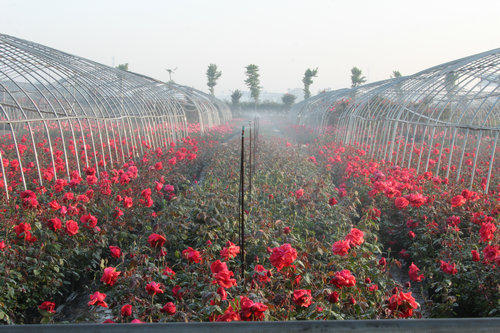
pixel 157 239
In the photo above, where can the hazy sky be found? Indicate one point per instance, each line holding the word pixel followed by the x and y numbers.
pixel 283 38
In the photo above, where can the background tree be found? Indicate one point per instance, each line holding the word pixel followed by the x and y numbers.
pixel 123 67
pixel 212 76
pixel 356 77
pixel 288 100
pixel 395 74
pixel 307 80
pixel 252 81
pixel 235 97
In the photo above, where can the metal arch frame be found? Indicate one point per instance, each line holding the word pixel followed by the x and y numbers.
pixel 401 121
pixel 107 115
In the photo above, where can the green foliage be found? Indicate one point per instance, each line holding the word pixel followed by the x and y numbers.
pixel 235 97
pixel 123 67
pixel 396 74
pixel 288 100
pixel 356 77
pixel 252 81
pixel 212 76
pixel 307 80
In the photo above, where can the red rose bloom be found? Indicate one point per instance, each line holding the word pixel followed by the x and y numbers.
pixel 401 203
pixel 110 275
pixel 116 252
pixel 355 236
pixel 475 255
pixel 168 272
pixel 126 310
pixel 341 247
pixel 230 251
pixel 283 256
pixel 169 308
pixel 48 306
pixel 416 199
pixel 332 201
pixel 458 201
pixel 487 231
pixel 154 288
pixel 261 274
pixel 88 221
pixel 71 227
pixel 97 298
pixel 229 315
pixel 156 240
pixel 251 311
pixel 402 305
pixel 191 255
pixel 333 297
pixel 54 224
pixel 413 273
pixel 302 297
pixel 343 278
pixel 448 268
pixel 491 253
pixel 23 230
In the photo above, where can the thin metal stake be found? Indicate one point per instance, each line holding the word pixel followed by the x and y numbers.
pixel 242 205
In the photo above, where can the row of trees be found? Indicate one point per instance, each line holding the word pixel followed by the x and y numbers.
pixel 252 81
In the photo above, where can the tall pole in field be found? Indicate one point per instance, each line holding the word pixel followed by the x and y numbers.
pixel 250 166
pixel 242 204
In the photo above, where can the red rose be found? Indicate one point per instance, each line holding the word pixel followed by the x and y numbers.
pixel 475 255
pixel 168 272
pixel 355 236
pixel 88 221
pixel 229 315
pixel 154 288
pixel 261 274
pixel 413 273
pixel 401 203
pixel 156 240
pixel 448 268
pixel 192 255
pixel 333 297
pixel 343 278
pixel 110 275
pixel 491 253
pixel 54 224
pixel 47 306
pixel 23 230
pixel 97 298
pixel 332 201
pixel 487 231
pixel 116 252
pixel 127 202
pixel 283 256
pixel 402 305
pixel 229 251
pixel 169 308
pixel 302 297
pixel 71 227
pixel 341 247
pixel 251 310
pixel 126 310
pixel 458 201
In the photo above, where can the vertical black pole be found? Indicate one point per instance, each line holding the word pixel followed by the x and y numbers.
pixel 250 163
pixel 242 204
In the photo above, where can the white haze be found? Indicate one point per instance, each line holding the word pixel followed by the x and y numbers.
pixel 283 37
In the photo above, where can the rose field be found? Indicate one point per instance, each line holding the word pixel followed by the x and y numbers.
pixel 330 234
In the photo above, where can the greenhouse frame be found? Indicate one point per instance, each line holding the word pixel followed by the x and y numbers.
pixel 444 120
pixel 59 112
